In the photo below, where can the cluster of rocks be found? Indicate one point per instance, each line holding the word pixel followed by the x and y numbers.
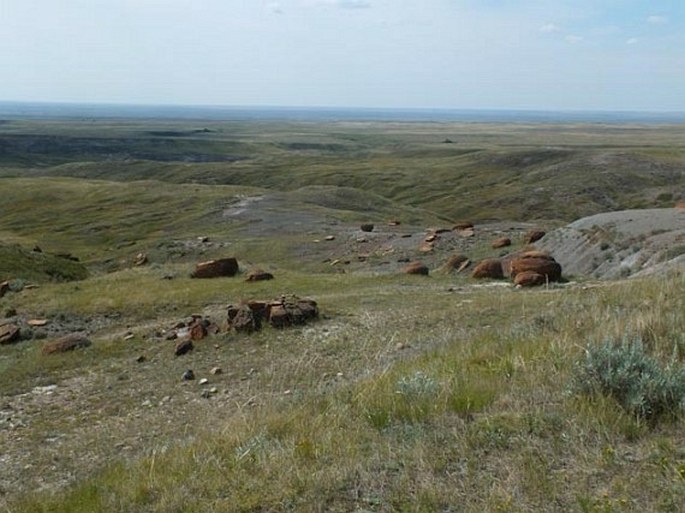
pixel 194 329
pixel 526 269
pixel 249 316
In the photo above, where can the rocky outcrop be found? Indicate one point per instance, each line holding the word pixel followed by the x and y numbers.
pixel 279 313
pixel 489 268
pixel 67 343
pixel 216 268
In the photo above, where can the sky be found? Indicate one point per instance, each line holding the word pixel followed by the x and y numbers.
pixel 462 54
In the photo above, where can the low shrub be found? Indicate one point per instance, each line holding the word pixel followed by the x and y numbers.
pixel 639 382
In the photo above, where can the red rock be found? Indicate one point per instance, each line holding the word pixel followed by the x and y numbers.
pixel 198 331
pixel 533 236
pixel 502 242
pixel 259 275
pixel 546 267
pixel 488 268
pixel 529 279
pixel 416 268
pixel 243 319
pixel 456 263
pixel 278 316
pixel 67 343
pixel 216 268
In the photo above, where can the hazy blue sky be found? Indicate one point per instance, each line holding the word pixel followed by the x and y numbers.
pixel 516 54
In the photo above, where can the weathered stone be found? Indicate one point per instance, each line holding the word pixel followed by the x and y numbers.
pixel 502 242
pixel 488 268
pixel 426 247
pixel 188 375
pixel 35 323
pixel 259 275
pixel 463 225
pixel 216 268
pixel 140 259
pixel 278 316
pixel 456 263
pixel 529 279
pixel 416 268
pixel 367 227
pixel 533 236
pixel 198 330
pixel 243 319
pixel 66 343
pixel 4 288
pixel 9 334
pixel 183 346
pixel 547 267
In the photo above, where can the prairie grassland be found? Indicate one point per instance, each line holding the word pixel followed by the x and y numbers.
pixel 410 394
pixel 405 397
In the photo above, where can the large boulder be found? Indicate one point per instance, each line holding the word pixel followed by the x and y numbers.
pixel 538 262
pixel 66 343
pixel 216 268
pixel 488 268
pixel 416 268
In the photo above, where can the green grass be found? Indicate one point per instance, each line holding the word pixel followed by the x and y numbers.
pixel 410 394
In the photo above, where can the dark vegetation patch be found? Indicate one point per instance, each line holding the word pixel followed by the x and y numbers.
pixel 49 150
pixel 19 263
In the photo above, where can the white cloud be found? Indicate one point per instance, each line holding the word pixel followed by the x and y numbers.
pixel 549 28
pixel 574 39
pixel 274 7
pixel 632 41
pixel 657 20
pixel 347 4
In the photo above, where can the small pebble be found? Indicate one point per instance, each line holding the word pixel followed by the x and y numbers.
pixel 188 375
pixel 215 371
pixel 203 381
pixel 141 358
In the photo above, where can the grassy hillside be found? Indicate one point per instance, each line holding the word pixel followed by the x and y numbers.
pixel 409 393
